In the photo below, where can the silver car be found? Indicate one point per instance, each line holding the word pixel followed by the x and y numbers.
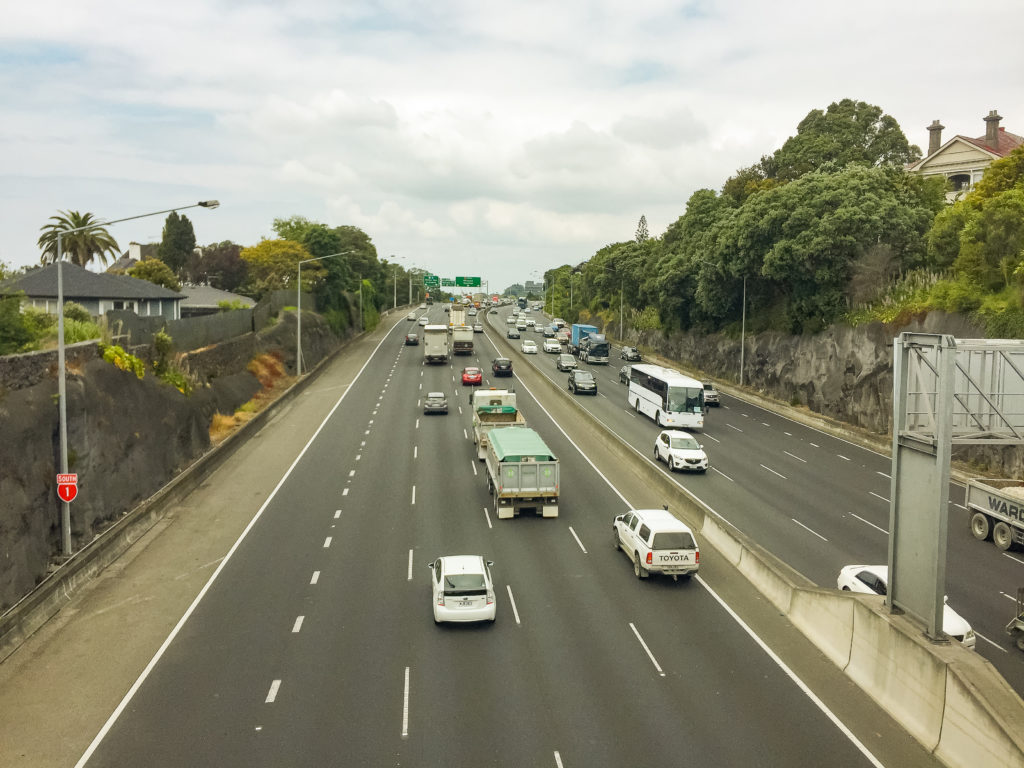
pixel 435 402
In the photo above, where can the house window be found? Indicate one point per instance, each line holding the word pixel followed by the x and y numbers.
pixel 960 182
pixel 118 304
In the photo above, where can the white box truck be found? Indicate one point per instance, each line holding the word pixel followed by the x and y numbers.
pixel 435 344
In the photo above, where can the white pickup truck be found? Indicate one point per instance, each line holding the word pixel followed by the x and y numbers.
pixel 657 542
pixel 493 408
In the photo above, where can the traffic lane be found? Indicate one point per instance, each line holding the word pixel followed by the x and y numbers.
pixel 630 632
pixel 202 700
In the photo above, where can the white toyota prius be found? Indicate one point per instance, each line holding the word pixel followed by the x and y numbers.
pixel 462 588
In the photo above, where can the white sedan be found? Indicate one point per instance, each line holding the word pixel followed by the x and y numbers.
pixel 680 450
pixel 462 589
pixel 529 347
pixel 550 345
pixel 874 580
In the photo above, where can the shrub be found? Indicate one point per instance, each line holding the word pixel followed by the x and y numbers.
pixel 75 311
pixel 16 332
pixel 116 355
pixel 77 330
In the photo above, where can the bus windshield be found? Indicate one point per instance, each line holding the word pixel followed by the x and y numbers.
pixel 685 399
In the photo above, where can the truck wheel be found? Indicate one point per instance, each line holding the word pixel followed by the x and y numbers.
pixel 981 526
pixel 1001 536
pixel 639 570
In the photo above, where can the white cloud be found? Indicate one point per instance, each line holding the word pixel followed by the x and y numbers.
pixel 466 135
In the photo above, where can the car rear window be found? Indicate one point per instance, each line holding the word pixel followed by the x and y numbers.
pixel 584 376
pixel 465 584
pixel 673 540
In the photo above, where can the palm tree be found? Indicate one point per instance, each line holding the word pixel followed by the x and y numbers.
pixel 92 241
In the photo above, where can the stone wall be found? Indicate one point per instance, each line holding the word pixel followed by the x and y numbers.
pixel 842 373
pixel 127 437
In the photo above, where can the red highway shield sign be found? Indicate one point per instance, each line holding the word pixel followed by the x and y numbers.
pixel 67 487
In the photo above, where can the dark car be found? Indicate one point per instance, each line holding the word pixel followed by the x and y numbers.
pixel 630 353
pixel 411 339
pixel 624 374
pixel 565 362
pixel 501 366
pixel 582 382
pixel 513 333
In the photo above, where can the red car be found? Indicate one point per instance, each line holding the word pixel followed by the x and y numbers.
pixel 472 376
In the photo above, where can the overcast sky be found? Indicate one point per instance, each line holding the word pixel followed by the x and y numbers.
pixel 467 137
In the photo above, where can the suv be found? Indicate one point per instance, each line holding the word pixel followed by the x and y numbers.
pixel 582 382
pixel 435 402
pixel 657 542
pixel 501 366
pixel 710 394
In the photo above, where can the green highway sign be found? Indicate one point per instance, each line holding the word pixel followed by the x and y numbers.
pixel 431 281
pixel 447 281
pixel 468 282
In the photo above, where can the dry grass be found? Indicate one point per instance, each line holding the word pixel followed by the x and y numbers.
pixel 269 370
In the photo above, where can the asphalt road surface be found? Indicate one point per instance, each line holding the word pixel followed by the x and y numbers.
pixel 314 644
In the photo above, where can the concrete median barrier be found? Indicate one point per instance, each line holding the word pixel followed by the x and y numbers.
pixel 826 618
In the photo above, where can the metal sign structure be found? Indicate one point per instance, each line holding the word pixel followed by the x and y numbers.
pixel 467 282
pixel 431 281
pixel 946 392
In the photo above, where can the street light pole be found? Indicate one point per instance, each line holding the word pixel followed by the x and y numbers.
pixel 298 310
pixel 62 408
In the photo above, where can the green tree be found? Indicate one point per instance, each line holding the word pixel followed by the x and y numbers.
pixel 219 265
pixel 641 230
pixel 156 272
pixel 15 334
pixel 846 132
pixel 82 247
pixel 273 264
pixel 177 243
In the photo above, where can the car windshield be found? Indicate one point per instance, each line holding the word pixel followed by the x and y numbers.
pixel 673 540
pixel 686 443
pixel 584 376
pixel 465 584
pixel 435 396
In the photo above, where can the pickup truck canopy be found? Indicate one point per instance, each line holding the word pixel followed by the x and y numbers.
pixel 519 444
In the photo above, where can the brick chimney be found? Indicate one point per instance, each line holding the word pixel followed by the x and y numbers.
pixel 934 136
pixel 992 129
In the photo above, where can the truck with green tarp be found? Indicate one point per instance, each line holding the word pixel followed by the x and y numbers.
pixel 522 472
pixel 493 408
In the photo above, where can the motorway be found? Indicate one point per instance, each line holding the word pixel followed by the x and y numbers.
pixel 816 501
pixel 314 643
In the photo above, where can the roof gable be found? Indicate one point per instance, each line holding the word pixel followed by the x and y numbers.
pixel 80 283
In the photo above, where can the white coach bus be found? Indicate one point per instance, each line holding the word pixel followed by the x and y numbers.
pixel 667 396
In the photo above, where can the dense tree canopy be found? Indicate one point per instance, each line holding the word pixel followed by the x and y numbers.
pixel 219 264
pixel 155 271
pixel 274 264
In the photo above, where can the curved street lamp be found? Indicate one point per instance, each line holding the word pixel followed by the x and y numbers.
pixel 65 521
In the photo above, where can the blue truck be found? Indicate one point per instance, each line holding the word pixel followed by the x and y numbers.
pixel 579 331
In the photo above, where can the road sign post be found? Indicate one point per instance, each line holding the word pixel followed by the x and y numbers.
pixel 67 487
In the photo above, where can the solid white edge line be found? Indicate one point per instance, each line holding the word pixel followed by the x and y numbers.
pixel 410 566
pixel 1014 558
pixel 275 686
pixel 515 611
pixel 650 655
pixel 405 707
pixel 577 540
pixel 990 642
pixel 792 675
pixel 213 576
pixel 716 469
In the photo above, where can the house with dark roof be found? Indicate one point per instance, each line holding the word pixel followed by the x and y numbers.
pixel 205 300
pixel 98 293
pixel 963 160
